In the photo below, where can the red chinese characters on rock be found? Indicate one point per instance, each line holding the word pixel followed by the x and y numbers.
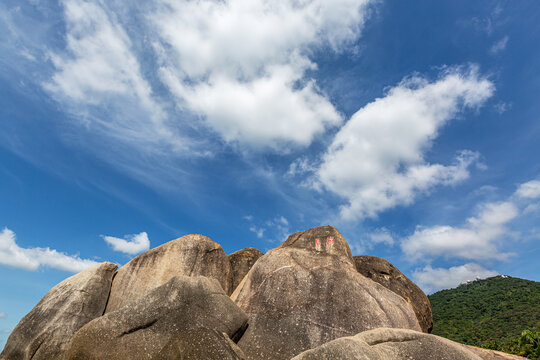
pixel 318 245
pixel 330 242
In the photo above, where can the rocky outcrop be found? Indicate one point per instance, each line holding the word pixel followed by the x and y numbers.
pixel 142 328
pixel 308 292
pixel 201 344
pixel 485 354
pixel 308 299
pixel 189 255
pixel 386 274
pixel 45 331
pixel 389 344
pixel 241 262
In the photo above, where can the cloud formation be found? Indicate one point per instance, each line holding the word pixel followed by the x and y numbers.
pixel 98 70
pixel 239 67
pixel 529 190
pixel 377 159
pixel 477 239
pixel 380 236
pixel 242 66
pixel 499 46
pixel 3 315
pixel 33 258
pixel 131 244
pixel 480 237
pixel 431 280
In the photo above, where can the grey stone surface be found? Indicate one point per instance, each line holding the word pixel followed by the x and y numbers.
pixel 485 354
pixel 386 274
pixel 189 255
pixel 307 292
pixel 142 328
pixel 201 344
pixel 45 331
pixel 241 262
pixel 390 344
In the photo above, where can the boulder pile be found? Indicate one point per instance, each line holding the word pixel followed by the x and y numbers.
pixel 308 299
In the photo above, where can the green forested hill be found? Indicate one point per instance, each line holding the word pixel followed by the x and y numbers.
pixel 490 313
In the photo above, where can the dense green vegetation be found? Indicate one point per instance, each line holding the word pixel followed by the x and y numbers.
pixel 500 313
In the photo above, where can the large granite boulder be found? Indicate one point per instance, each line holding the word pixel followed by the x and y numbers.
pixel 45 331
pixel 241 262
pixel 201 344
pixel 386 274
pixel 142 328
pixel 390 344
pixel 307 292
pixel 189 255
pixel 485 354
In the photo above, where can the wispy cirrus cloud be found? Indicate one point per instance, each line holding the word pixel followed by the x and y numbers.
pixel 98 70
pixel 130 244
pixel 377 159
pixel 499 46
pixel 32 259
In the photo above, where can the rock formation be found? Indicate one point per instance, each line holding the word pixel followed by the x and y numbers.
pixel 142 328
pixel 389 344
pixel 308 292
pixel 386 274
pixel 485 354
pixel 201 344
pixel 308 299
pixel 241 262
pixel 189 255
pixel 45 331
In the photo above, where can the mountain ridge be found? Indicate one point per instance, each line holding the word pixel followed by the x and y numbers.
pixel 491 313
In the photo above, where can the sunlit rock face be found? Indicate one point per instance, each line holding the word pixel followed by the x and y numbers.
pixel 44 333
pixel 144 327
pixel 390 344
pixel 190 255
pixel 307 292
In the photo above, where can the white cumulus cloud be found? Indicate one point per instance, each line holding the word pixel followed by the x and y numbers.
pixel 242 65
pixel 529 190
pixel 377 160
pixel 131 244
pixel 431 280
pixel 477 239
pixel 32 258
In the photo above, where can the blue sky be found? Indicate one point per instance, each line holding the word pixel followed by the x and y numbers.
pixel 411 127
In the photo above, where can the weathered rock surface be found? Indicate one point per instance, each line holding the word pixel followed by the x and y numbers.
pixel 241 262
pixel 386 274
pixel 485 354
pixel 389 344
pixel 189 255
pixel 201 344
pixel 308 292
pixel 45 331
pixel 142 328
